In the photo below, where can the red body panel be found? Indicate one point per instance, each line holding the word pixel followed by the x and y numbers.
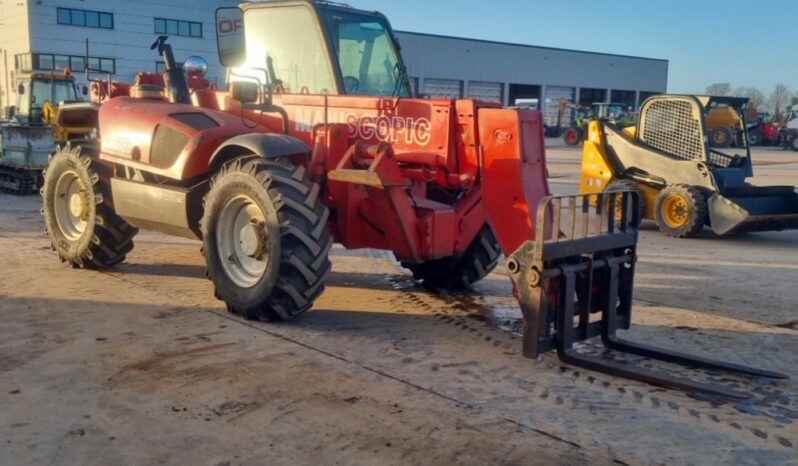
pixel 769 130
pixel 490 161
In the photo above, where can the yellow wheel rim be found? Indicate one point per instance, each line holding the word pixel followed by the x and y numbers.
pixel 675 210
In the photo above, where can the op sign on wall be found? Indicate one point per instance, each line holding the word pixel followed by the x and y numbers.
pixel 230 38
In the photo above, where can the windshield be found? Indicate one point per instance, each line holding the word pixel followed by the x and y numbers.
pixel 615 111
pixel 366 54
pixel 54 90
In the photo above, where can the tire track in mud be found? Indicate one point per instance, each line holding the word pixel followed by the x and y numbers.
pixel 29 243
pixel 757 424
pixel 591 393
pixel 465 314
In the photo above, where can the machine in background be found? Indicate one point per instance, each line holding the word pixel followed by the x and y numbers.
pixel 48 112
pixel 684 181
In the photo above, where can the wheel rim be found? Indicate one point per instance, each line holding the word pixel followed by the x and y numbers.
pixel 675 211
pixel 242 241
pixel 719 137
pixel 72 206
pixel 570 136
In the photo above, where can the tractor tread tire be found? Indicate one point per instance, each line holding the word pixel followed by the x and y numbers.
pixel 111 238
pixel 305 240
pixel 755 138
pixel 573 136
pixel 629 185
pixel 697 203
pixel 728 137
pixel 460 272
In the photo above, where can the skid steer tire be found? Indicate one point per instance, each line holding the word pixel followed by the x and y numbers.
pixel 721 137
pixel 460 272
pixel 79 217
pixel 681 211
pixel 265 238
pixel 627 185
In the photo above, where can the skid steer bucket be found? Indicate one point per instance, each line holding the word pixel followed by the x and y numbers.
pixel 753 208
pixel 576 284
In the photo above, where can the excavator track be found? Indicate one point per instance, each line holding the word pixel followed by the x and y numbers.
pixel 19 182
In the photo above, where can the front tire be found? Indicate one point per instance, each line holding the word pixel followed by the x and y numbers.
pixel 460 272
pixel 79 218
pixel 265 238
pixel 681 211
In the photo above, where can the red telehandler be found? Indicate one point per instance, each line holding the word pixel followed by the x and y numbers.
pixel 318 140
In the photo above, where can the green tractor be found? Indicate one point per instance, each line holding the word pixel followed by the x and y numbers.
pixel 615 113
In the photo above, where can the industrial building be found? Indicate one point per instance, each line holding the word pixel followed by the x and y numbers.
pixel 45 34
pixel 516 74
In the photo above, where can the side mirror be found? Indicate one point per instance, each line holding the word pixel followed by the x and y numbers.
pixel 21 89
pixel 195 66
pixel 245 92
pixel 230 38
pixel 84 90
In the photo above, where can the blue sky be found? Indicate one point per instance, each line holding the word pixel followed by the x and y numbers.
pixel 743 42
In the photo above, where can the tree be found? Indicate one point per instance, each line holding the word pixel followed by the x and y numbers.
pixel 779 99
pixel 719 89
pixel 756 99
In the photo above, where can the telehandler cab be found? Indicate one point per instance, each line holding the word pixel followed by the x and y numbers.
pixel 319 141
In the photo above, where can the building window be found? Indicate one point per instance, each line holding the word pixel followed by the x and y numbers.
pixel 50 61
pixel 174 27
pixel 85 18
pixel 160 66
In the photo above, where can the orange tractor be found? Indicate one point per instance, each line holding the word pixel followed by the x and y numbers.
pixel 317 141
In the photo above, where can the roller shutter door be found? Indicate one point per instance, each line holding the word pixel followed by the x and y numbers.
pixel 413 86
pixel 450 88
pixel 484 90
pixel 553 96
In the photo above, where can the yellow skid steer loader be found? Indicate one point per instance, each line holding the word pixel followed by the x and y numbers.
pixel 683 181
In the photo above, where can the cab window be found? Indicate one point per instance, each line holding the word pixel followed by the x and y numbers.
pixel 367 56
pixel 288 41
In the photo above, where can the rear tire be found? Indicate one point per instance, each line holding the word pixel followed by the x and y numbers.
pixel 627 185
pixel 721 137
pixel 754 138
pixel 78 214
pixel 573 136
pixel 265 238
pixel 460 272
pixel 794 143
pixel 682 211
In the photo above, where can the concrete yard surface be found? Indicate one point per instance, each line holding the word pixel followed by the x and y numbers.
pixel 139 364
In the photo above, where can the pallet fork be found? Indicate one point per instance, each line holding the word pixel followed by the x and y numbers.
pixel 575 282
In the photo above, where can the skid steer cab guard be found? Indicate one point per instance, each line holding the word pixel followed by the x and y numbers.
pixel 685 181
